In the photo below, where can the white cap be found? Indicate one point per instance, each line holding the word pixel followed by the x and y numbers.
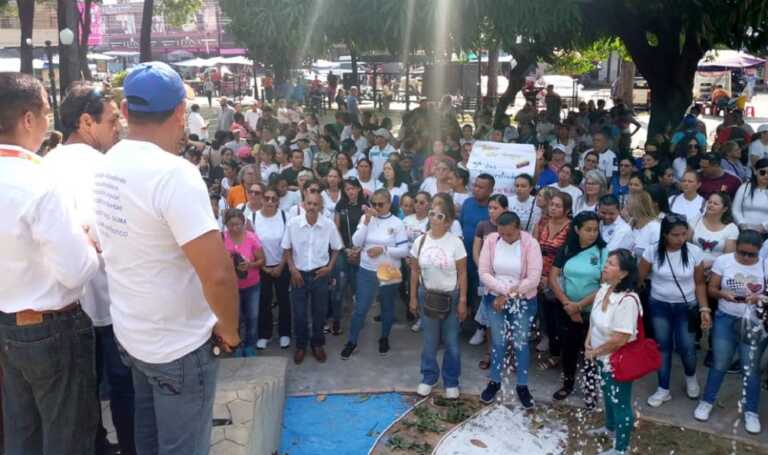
pixel 762 128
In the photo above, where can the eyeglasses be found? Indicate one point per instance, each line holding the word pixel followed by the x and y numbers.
pixel 378 205
pixel 693 146
pixel 436 215
pixel 762 172
pixel 746 254
pixel 422 201
pixel 254 193
pixel 271 199
pixel 313 190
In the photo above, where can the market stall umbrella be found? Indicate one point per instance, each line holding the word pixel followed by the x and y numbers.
pixel 728 59
pixel 239 60
pixel 195 63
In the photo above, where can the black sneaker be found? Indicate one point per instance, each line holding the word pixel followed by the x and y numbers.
pixel 735 367
pixel 489 394
pixel 525 396
pixel 383 346
pixel 349 348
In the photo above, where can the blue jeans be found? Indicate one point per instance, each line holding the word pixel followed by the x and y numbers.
pixel 670 326
pixel 174 402
pixel 726 339
pixel 433 330
pixel 50 401
pixel 367 285
pixel 310 300
pixel 512 323
pixel 249 314
pixel 120 381
pixel 344 274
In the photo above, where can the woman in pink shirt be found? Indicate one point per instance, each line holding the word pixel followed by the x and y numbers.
pixel 248 257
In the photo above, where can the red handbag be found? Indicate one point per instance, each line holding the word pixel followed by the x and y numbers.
pixel 636 358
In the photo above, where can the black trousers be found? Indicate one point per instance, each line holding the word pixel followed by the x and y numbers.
pixel 271 287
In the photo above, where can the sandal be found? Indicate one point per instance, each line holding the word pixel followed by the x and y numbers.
pixel 563 393
pixel 485 362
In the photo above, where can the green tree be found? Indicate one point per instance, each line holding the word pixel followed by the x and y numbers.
pixel 25 9
pixel 273 31
pixel 175 12
pixel 667 38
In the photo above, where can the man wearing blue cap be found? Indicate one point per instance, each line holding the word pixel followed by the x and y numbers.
pixel 171 282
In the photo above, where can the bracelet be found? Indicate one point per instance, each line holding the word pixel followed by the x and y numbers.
pixel 705 310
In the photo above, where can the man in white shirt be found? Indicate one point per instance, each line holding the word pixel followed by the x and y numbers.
pixel 306 244
pixel 171 282
pixel 196 124
pixel 91 125
pixel 49 383
pixel 608 163
pixel 226 116
pixel 361 143
pixel 614 230
pixel 379 153
pixel 252 117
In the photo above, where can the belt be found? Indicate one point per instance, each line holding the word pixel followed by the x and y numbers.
pixel 32 317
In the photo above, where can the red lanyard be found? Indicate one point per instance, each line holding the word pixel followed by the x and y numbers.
pixel 7 153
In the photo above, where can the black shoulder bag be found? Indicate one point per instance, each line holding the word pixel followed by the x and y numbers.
pixel 694 317
pixel 437 304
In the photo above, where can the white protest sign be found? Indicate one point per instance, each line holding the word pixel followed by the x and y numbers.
pixel 503 161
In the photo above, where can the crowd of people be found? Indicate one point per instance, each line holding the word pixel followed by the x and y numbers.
pixel 139 258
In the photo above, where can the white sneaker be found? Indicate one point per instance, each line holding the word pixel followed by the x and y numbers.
pixel 692 387
pixel 478 338
pixel 543 345
pixel 752 422
pixel 416 327
pixel 424 389
pixel 262 343
pixel 285 342
pixel 702 411
pixel 613 452
pixel 452 393
pixel 602 431
pixel 659 397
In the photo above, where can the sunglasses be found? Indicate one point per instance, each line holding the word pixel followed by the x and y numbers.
pixel 746 254
pixel 436 215
pixel 762 172
pixel 271 199
pixel 378 205
pixel 693 146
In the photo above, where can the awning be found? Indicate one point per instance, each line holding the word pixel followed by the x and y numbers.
pixel 728 59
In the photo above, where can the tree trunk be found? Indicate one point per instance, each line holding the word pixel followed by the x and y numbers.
pixel 353 57
pixel 492 87
pixel 145 41
pixel 282 69
pixel 69 60
pixel 26 18
pixel 626 81
pixel 669 67
pixel 516 77
pixel 85 34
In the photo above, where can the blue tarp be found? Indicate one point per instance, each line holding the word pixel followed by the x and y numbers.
pixel 338 425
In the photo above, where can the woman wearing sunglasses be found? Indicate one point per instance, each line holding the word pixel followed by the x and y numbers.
pixel 750 206
pixel 678 293
pixel 270 223
pixel 510 268
pixel 439 263
pixel 738 282
pixel 253 205
pixel 384 243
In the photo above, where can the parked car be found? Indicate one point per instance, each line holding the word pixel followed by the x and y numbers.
pixel 567 87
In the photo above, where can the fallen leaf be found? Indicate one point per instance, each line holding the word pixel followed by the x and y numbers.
pixel 321 397
pixel 478 443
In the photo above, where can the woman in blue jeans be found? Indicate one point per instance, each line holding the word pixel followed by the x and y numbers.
pixel 678 287
pixel 440 264
pixel 510 268
pixel 738 281
pixel 383 244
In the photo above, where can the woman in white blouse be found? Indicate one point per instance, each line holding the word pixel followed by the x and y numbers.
pixel 612 324
pixel 439 263
pixel 384 243
pixel 750 205
pixel 595 185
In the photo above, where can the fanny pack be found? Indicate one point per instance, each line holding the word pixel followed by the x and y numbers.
pixel 437 304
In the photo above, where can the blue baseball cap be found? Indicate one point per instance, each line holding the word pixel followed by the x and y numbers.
pixel 153 87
